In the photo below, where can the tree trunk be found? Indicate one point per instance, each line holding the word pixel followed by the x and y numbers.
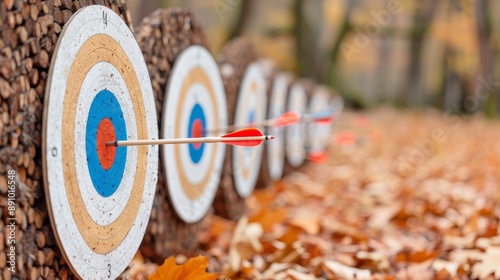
pixel 422 18
pixel 486 58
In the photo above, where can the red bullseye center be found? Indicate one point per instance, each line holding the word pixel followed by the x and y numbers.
pixel 197 132
pixel 105 133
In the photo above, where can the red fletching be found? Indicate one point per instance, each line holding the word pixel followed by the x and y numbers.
pixel 345 138
pixel 317 157
pixel 323 121
pixel 287 118
pixel 324 117
pixel 245 132
pixel 361 121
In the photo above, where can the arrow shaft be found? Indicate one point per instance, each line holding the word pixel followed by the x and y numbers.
pixel 187 140
pixel 265 123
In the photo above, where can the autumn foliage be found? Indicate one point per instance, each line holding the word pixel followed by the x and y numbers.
pixel 194 269
pixel 413 196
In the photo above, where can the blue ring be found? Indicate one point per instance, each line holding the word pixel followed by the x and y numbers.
pixel 196 113
pixel 105 105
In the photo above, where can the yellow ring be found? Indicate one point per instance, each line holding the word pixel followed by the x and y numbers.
pixel 101 48
pixel 197 74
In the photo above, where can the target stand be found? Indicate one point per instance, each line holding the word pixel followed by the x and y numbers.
pixel 99 197
pixel 189 100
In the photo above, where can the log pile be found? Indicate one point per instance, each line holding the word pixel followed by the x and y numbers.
pixel 162 36
pixel 29 30
pixel 233 61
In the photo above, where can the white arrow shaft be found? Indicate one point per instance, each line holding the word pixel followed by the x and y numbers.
pixel 187 140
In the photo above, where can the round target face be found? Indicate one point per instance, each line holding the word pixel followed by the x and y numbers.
pixel 296 133
pixel 250 108
pixel 319 133
pixel 195 103
pixel 336 105
pixel 99 196
pixel 277 106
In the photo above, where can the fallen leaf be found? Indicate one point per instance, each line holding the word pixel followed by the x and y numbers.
pixel 489 264
pixel 194 269
pixel 419 256
pixel 269 218
pixel 450 267
pixel 309 224
pixel 417 271
pixel 245 242
pixel 347 272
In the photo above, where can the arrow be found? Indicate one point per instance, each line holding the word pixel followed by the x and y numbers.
pixel 248 137
pixel 284 119
pixel 320 117
pixel 287 118
pixel 317 157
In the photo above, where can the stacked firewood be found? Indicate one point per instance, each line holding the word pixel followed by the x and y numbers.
pixel 162 36
pixel 29 30
pixel 233 61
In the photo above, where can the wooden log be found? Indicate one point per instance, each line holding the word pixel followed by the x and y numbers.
pixel 29 31
pixel 162 36
pixel 233 62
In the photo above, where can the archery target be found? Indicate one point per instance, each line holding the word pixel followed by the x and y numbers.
pixel 195 103
pixel 250 108
pixel 99 91
pixel 277 106
pixel 336 105
pixel 319 133
pixel 296 133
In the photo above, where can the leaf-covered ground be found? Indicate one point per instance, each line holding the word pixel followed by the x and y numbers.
pixel 413 196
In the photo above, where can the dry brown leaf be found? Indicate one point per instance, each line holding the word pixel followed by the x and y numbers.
pixel 245 242
pixel 299 275
pixel 450 267
pixel 380 260
pixel 269 218
pixel 489 264
pixel 420 256
pixel 382 215
pixel 273 270
pixel 194 269
pixel 464 256
pixel 347 272
pixel 309 224
pixel 460 241
pixel 417 271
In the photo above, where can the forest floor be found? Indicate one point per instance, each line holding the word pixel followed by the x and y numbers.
pixel 410 196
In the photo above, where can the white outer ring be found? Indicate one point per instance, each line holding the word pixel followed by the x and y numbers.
pixel 296 134
pixel 188 210
pixel 276 148
pixel 87 264
pixel 319 134
pixel 249 159
pixel 104 210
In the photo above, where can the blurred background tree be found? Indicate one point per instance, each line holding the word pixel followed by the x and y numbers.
pixel 401 52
